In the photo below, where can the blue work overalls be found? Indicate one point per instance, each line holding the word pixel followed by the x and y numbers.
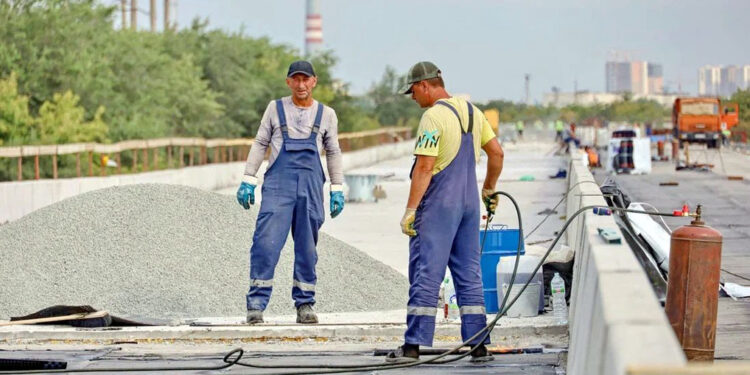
pixel 292 197
pixel 447 221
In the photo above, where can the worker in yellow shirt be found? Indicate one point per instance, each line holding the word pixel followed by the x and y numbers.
pixel 559 127
pixel 519 129
pixel 442 213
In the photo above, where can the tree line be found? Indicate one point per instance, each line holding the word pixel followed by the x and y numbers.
pixel 67 75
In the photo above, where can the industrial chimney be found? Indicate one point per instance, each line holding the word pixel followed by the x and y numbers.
pixel 313 28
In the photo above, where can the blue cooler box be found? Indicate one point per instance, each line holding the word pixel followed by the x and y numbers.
pixel 500 242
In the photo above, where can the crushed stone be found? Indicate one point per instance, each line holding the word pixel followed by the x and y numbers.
pixel 170 252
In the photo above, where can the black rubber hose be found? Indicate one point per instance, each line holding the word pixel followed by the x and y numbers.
pixel 228 361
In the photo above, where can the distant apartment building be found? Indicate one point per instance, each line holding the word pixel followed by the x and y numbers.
pixel 636 77
pixel 719 80
pixel 655 79
pixel 618 77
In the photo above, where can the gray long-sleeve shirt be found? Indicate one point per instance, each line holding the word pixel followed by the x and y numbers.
pixel 300 123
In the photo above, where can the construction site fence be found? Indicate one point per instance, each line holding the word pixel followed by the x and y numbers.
pixel 179 152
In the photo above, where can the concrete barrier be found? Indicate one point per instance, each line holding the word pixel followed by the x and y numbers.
pixel 20 198
pixel 615 318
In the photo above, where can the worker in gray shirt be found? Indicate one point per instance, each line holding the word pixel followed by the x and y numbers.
pixel 297 128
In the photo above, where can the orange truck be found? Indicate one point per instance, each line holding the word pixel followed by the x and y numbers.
pixel 702 120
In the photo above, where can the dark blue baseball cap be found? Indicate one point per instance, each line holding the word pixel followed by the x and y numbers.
pixel 301 66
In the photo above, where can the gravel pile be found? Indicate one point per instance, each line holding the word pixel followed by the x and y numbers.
pixel 168 251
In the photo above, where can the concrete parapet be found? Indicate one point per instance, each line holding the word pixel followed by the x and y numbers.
pixel 615 319
pixel 20 198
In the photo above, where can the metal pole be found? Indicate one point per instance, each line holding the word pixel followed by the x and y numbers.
pixel 91 163
pixel 133 14
pixel 124 13
pixel 145 159
pixel 526 79
pixel 153 15
pixel 54 166
pixel 167 26
pixel 36 166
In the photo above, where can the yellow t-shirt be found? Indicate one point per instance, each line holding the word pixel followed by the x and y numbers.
pixel 439 132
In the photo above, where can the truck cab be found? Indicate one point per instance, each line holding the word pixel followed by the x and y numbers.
pixel 697 120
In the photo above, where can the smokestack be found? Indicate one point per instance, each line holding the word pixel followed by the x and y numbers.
pixel 167 26
pixel 526 79
pixel 133 14
pixel 153 15
pixel 124 11
pixel 313 28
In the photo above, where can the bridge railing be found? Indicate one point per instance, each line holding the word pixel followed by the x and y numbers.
pixel 144 155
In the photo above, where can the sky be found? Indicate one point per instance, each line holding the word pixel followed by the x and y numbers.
pixel 484 47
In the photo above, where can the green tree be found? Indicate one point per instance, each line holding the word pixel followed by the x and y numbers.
pixel 62 121
pixel 16 123
pixel 194 82
pixel 390 107
pixel 742 98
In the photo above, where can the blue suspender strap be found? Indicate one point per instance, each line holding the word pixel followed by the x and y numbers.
pixel 318 118
pixel 471 115
pixel 282 116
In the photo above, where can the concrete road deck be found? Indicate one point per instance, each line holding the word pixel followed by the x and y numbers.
pixel 374 227
pixel 343 338
pixel 726 207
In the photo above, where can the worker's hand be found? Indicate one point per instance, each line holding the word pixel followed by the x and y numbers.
pixel 337 200
pixel 246 192
pixel 407 222
pixel 490 202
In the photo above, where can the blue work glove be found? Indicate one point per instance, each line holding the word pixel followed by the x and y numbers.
pixel 246 192
pixel 337 200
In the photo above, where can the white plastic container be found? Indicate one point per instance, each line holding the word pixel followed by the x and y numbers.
pixel 527 305
pixel 526 264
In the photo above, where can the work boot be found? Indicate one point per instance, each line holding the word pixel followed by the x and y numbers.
pixel 254 316
pixel 306 315
pixel 481 354
pixel 403 354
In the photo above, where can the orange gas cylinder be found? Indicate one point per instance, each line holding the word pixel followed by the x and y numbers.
pixel 693 287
